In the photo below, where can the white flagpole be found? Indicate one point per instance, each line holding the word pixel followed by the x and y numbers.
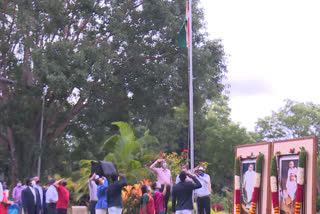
pixel 191 89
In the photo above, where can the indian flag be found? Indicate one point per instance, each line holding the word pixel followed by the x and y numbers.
pixel 184 33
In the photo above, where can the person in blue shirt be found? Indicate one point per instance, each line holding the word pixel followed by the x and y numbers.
pixel 102 205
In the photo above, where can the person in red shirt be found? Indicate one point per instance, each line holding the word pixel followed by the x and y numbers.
pixel 63 197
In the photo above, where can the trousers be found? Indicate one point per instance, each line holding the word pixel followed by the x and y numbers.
pixel 203 205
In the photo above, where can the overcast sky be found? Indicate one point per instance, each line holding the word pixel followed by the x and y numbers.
pixel 273 53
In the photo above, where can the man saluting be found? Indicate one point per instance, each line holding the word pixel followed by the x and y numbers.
pixel 182 193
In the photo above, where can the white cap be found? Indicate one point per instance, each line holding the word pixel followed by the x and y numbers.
pixel 201 168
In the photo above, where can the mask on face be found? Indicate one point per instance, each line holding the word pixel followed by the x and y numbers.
pixel 158 185
pixel 33 183
pixel 19 184
pixel 201 174
pixel 164 164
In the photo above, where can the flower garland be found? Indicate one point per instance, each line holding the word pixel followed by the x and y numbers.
pixel 300 181
pixel 237 184
pixel 273 184
pixel 256 190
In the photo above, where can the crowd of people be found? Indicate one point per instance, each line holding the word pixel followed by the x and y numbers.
pixel 106 194
pixel 105 197
pixel 32 198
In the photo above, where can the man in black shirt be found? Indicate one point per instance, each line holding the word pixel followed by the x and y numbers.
pixel 182 192
pixel 114 194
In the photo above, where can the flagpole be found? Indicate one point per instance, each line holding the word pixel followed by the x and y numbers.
pixel 191 90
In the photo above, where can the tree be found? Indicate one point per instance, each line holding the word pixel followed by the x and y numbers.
pixel 98 61
pixel 128 152
pixel 295 119
pixel 216 139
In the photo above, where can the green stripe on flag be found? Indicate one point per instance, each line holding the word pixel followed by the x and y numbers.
pixel 182 37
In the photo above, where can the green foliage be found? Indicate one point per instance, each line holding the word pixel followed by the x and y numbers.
pixel 127 152
pixel 99 62
pixel 216 137
pixel 259 163
pixel 295 119
pixel 236 166
pixel 302 158
pixel 225 199
pixel 273 166
pixel 318 203
pixel 175 161
pixel 80 186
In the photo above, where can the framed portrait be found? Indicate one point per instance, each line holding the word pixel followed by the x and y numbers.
pixel 287 183
pixel 247 179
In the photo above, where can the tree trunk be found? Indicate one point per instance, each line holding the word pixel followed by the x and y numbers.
pixel 13 159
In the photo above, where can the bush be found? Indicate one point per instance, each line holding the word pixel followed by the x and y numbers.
pixel 318 203
pixel 217 207
pixel 225 200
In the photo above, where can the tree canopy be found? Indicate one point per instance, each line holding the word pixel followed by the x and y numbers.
pixel 295 119
pixel 96 61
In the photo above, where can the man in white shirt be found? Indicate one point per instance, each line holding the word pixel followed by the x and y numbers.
pixel 93 193
pixel 40 191
pixel 52 196
pixel 203 193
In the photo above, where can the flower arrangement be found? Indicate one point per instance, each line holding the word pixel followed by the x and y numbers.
pixel 217 207
pixel 131 196
pixel 237 184
pixel 300 180
pixel 256 190
pixel 175 161
pixel 273 184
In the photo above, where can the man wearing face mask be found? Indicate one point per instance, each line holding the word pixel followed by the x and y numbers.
pixel 163 177
pixel 184 168
pixel 16 194
pixel 30 197
pixel 203 193
pixel 37 180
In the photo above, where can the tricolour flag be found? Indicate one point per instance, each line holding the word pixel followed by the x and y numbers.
pixel 184 33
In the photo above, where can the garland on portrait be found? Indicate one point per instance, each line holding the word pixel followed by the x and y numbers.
pixel 300 181
pixel 256 190
pixel 274 185
pixel 237 184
